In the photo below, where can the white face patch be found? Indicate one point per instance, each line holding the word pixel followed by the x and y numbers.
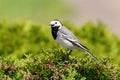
pixel 55 23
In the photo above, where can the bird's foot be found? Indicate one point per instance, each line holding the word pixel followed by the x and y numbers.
pixel 68 52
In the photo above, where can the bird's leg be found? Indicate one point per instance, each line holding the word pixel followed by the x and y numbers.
pixel 68 52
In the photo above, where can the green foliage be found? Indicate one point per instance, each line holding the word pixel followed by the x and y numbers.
pixel 29 52
pixel 51 65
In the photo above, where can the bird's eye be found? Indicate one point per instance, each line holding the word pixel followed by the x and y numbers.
pixel 55 22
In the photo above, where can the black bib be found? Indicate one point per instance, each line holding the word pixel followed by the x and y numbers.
pixel 54 31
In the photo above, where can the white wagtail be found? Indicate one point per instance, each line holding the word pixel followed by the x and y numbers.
pixel 67 39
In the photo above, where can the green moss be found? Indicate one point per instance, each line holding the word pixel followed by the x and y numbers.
pixel 51 65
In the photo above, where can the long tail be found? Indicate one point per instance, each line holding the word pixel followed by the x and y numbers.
pixel 95 58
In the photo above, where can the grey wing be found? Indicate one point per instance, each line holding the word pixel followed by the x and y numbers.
pixel 72 38
pixel 66 34
pixel 65 31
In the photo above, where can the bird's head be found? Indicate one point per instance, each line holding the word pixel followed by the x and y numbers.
pixel 55 23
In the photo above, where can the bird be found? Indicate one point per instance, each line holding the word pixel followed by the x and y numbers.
pixel 67 39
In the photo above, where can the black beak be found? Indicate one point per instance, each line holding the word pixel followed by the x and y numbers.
pixel 52 25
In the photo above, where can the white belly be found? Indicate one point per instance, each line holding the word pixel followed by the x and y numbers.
pixel 65 43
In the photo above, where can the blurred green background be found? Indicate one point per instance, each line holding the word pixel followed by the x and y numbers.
pixel 37 11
